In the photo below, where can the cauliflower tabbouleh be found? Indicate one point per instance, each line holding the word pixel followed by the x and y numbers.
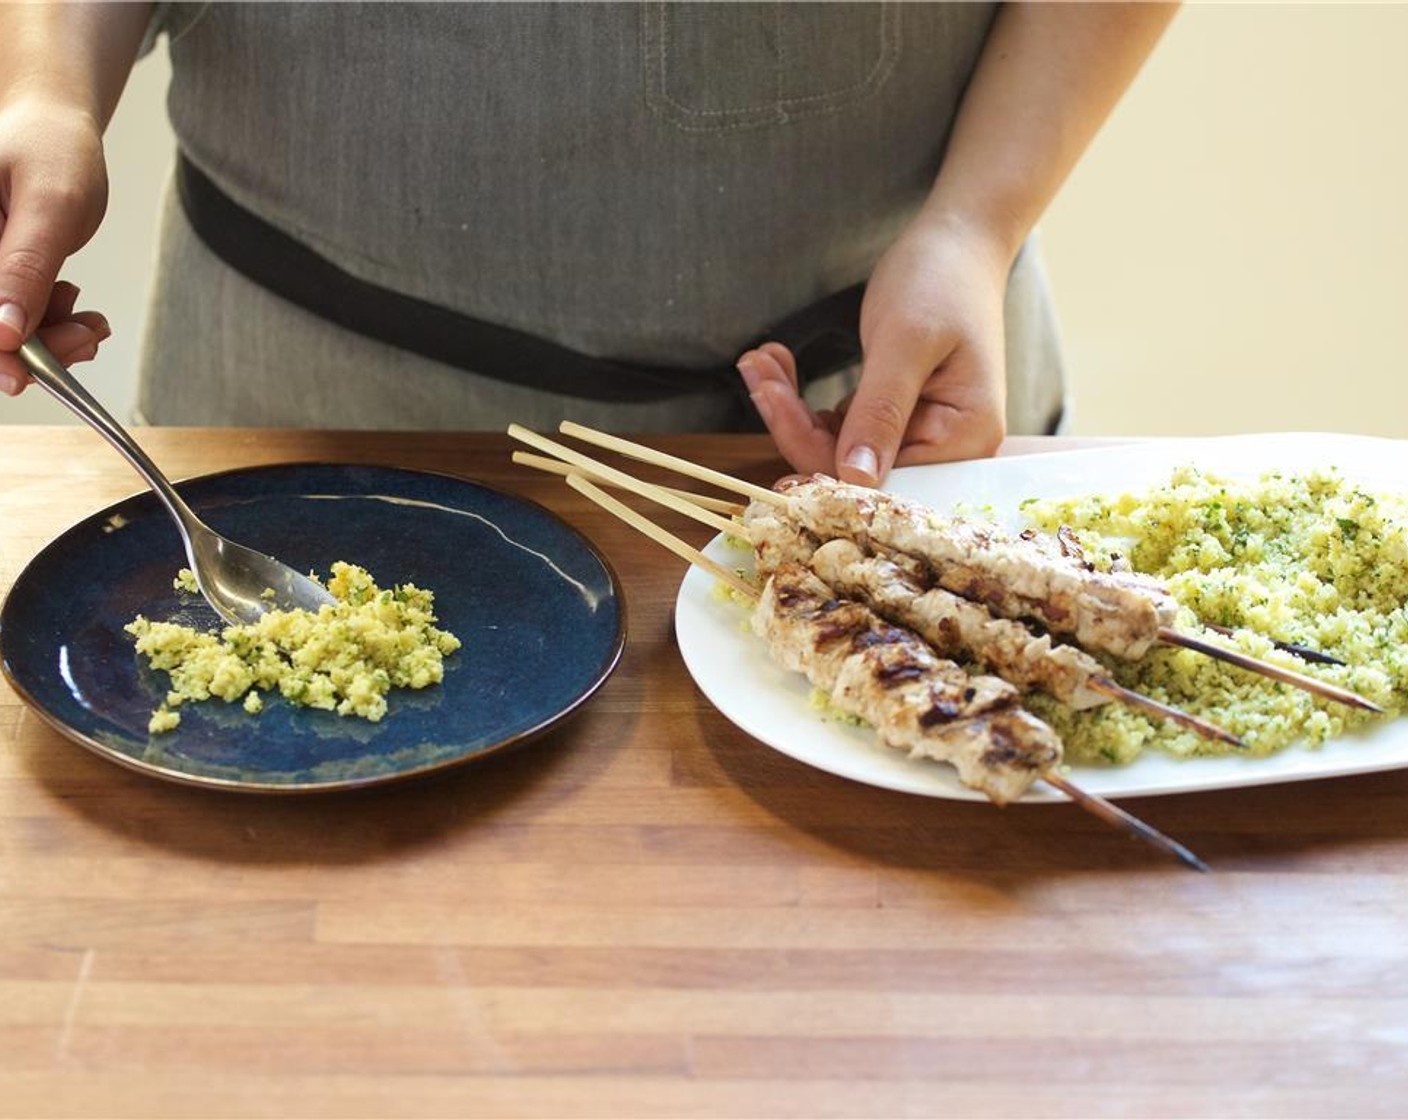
pixel 345 657
pixel 1311 559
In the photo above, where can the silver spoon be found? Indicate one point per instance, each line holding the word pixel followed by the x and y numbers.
pixel 234 580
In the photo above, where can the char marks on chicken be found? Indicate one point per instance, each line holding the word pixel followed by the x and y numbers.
pixel 889 677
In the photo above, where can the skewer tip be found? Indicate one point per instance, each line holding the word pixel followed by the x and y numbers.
pixel 1126 822
pixel 1305 653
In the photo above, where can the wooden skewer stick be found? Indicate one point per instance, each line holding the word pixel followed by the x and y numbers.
pixel 559 467
pixel 1305 653
pixel 670 462
pixel 681 504
pixel 717 478
pixel 1091 803
pixel 1113 814
pixel 1135 699
pixel 587 466
pixel 680 548
pixel 1266 669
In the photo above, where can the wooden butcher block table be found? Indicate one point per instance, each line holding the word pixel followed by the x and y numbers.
pixel 646 912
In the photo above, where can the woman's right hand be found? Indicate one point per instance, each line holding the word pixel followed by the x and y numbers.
pixel 53 192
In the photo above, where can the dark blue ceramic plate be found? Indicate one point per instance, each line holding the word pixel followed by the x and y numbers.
pixel 538 609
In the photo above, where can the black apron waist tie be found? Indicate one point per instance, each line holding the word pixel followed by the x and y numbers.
pixel 824 336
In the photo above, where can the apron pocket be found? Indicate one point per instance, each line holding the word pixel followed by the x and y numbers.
pixel 725 67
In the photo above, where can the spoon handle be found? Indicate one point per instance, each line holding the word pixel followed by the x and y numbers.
pixel 51 374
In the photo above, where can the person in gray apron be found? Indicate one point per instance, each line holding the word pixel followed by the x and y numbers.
pixel 430 216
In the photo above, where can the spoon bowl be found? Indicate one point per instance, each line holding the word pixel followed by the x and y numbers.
pixel 240 583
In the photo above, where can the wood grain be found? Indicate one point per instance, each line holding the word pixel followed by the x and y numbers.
pixel 646 913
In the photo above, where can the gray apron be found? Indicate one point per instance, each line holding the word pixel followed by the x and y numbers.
pixel 649 183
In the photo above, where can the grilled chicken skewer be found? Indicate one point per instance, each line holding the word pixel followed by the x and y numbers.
pixel 1023 577
pixel 953 625
pixel 891 679
pixel 1123 613
pixel 956 627
pixel 1026 577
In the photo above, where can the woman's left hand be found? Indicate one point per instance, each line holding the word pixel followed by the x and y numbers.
pixel 932 385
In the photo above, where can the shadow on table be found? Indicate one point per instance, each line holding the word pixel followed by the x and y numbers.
pixel 330 828
pixel 1252 828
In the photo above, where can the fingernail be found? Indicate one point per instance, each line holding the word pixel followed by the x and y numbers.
pixel 763 405
pixel 863 461
pixel 10 385
pixel 84 354
pixel 104 330
pixel 12 315
pixel 750 374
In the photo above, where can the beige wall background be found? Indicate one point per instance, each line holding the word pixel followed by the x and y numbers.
pixel 1229 256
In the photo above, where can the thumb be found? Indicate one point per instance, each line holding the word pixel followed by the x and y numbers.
pixel 32 249
pixel 875 422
